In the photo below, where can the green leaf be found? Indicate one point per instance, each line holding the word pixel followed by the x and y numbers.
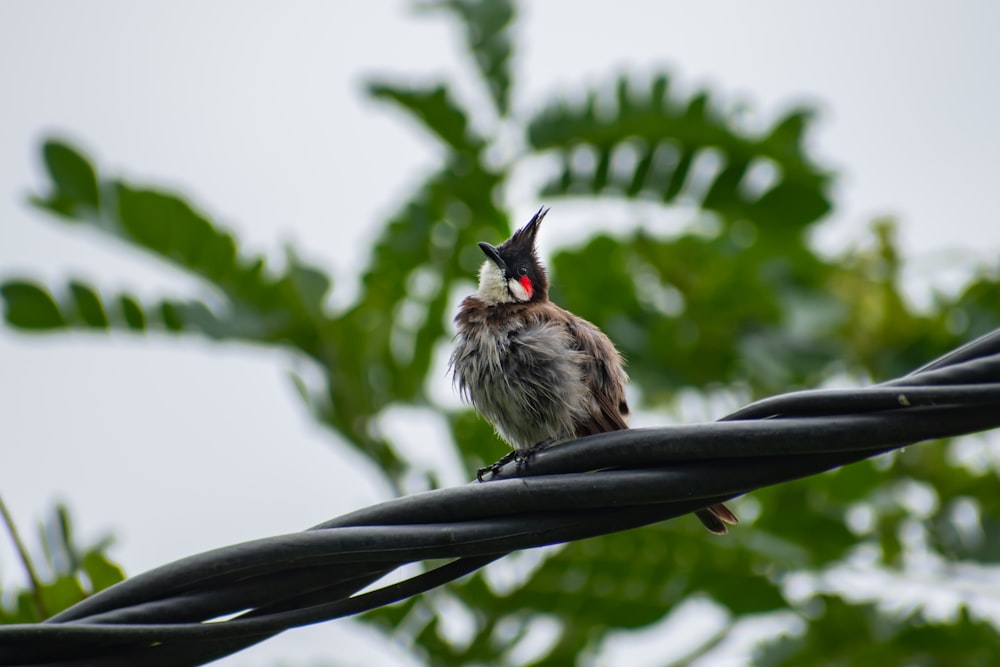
pixel 436 110
pixel 164 224
pixel 860 635
pixel 170 227
pixel 170 317
pixel 100 570
pixel 69 572
pixel 645 144
pixel 132 313
pixel 789 206
pixel 75 188
pixel 691 310
pixel 62 593
pixel 308 286
pixel 257 306
pixel 21 607
pixel 487 35
pixel 89 307
pixel 29 306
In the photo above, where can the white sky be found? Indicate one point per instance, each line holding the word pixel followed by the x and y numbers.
pixel 255 111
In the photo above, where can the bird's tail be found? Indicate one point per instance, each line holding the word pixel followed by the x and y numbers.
pixel 716 517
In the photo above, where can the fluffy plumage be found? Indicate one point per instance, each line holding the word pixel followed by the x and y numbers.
pixel 538 373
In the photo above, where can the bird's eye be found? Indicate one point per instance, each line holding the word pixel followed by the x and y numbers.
pixel 522 271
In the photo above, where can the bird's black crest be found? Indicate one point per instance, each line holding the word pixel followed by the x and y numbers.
pixel 522 243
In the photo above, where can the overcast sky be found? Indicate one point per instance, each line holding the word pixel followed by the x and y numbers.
pixel 255 111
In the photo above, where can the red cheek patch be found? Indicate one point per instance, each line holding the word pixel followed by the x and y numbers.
pixel 526 284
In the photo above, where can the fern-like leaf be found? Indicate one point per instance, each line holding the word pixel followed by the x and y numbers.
pixel 486 25
pixel 436 110
pixel 643 142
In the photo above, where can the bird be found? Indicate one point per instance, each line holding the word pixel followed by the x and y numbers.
pixel 536 372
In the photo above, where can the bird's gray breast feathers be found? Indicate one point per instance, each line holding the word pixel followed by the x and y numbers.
pixel 526 379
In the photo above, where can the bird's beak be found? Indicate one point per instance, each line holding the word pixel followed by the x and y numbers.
pixel 494 254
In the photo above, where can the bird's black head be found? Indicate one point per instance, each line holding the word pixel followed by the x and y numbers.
pixel 513 272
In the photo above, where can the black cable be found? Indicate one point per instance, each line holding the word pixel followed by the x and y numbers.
pixel 592 486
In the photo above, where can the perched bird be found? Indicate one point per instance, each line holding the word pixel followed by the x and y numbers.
pixel 538 373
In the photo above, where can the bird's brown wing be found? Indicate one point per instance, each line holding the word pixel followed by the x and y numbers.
pixel 605 377
pixel 606 380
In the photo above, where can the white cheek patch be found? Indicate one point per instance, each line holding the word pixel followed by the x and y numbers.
pixel 492 286
pixel 517 289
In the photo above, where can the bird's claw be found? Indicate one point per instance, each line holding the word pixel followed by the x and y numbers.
pixel 494 468
pixel 519 456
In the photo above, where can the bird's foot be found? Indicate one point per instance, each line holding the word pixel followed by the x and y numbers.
pixel 524 456
pixel 494 468
pixel 520 456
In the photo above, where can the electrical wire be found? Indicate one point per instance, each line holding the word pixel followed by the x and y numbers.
pixel 596 485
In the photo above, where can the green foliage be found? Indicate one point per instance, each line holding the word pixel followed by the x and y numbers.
pixel 766 317
pixel 30 306
pixel 732 296
pixel 68 572
pixel 434 108
pixel 645 144
pixel 486 26
pixel 846 634
pixel 373 354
